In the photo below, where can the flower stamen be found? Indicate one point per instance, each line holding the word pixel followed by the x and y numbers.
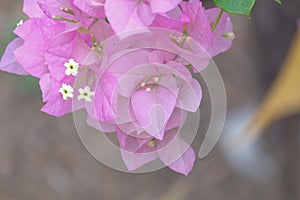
pixel 151 143
pixel 67 10
pixel 229 35
pixel 64 19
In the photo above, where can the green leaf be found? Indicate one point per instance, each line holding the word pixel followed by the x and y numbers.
pixel 278 1
pixel 236 6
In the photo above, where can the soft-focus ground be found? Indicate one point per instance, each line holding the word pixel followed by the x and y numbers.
pixel 41 157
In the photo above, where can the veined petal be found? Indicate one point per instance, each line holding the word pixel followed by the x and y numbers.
pixel 126 15
pixel 32 9
pixel 8 62
pixel 176 153
pixel 220 43
pixel 104 104
pixel 199 27
pixel 91 7
pixel 131 159
pixel 162 6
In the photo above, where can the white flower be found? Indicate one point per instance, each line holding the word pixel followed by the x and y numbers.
pixel 156 79
pixel 143 84
pixel 72 67
pixel 148 89
pixel 66 91
pixel 86 94
pixel 20 23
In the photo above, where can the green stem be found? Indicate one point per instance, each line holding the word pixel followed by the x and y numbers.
pixel 64 19
pixel 217 21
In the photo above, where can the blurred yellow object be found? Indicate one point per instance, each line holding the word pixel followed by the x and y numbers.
pixel 283 99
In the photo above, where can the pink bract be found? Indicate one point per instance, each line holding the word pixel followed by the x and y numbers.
pixel 129 63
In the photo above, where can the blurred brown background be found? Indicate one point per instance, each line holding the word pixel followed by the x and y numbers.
pixel 41 157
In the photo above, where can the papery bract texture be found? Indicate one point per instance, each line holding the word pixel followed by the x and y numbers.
pixel 129 63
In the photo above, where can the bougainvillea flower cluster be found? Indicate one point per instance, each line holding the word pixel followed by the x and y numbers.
pixel 142 94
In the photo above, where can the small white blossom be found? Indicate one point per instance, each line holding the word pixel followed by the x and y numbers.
pixel 66 91
pixel 72 67
pixel 143 84
pixel 156 79
pixel 86 94
pixel 148 89
pixel 20 23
